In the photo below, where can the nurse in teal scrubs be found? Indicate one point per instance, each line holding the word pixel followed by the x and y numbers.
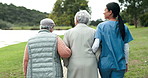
pixel 113 36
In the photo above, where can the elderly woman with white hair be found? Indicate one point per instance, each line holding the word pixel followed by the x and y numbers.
pixel 43 51
pixel 82 63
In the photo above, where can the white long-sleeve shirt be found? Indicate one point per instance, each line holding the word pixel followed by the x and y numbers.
pixel 97 44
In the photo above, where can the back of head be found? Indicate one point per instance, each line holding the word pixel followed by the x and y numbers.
pixel 47 24
pixel 114 7
pixel 82 17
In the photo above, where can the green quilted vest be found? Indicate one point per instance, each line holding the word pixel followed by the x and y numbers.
pixel 44 61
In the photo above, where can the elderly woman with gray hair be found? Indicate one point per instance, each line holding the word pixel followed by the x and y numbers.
pixel 82 63
pixel 43 51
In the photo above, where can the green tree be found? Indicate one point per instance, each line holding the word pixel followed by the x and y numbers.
pixel 64 11
pixel 95 23
pixel 20 15
pixel 5 25
pixel 135 8
pixel 126 17
pixel 144 20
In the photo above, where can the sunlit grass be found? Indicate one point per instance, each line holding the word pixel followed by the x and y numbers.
pixel 138 59
pixel 11 58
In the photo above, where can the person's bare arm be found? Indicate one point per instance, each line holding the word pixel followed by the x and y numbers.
pixel 63 50
pixel 25 61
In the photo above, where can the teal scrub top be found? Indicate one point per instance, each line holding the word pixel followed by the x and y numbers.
pixel 112 54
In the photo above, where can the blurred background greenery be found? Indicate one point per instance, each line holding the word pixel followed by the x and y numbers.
pixel 133 12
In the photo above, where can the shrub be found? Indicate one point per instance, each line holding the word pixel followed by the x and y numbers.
pixel 5 25
pixel 144 20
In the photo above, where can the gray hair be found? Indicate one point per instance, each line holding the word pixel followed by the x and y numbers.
pixel 47 24
pixel 82 16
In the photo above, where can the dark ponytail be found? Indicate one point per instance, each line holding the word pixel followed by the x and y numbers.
pixel 121 27
pixel 115 8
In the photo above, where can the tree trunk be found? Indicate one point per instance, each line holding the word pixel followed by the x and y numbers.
pixel 135 21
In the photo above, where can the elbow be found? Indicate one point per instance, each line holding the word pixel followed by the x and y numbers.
pixel 66 54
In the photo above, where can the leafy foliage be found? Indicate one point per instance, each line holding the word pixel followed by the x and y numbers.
pixel 144 19
pixel 95 23
pixel 135 8
pixel 5 25
pixel 127 17
pixel 20 15
pixel 64 11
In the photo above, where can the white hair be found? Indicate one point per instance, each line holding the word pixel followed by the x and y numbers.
pixel 47 24
pixel 82 16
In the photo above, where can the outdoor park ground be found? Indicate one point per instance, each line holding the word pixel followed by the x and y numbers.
pixel 11 57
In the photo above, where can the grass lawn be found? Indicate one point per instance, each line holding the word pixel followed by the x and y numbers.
pixel 11 57
pixel 138 58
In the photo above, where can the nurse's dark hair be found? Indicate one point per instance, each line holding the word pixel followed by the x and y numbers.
pixel 115 8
